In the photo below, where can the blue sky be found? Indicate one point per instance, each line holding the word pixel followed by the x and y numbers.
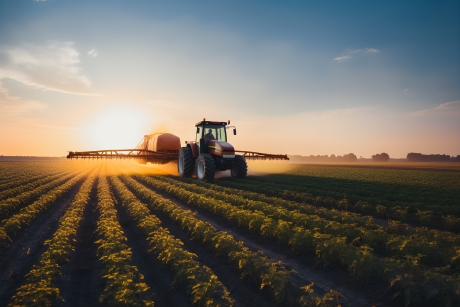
pixel 320 77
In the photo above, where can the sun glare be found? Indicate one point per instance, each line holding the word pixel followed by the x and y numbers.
pixel 118 128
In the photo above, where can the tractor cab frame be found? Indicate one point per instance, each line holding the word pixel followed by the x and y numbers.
pixel 207 131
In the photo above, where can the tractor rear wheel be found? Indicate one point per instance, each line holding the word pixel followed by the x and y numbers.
pixel 239 167
pixel 205 167
pixel 185 162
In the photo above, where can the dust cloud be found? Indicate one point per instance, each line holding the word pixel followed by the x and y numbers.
pixel 259 168
pixel 116 167
pixel 255 168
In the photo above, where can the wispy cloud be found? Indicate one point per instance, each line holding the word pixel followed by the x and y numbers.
pixel 371 50
pixel 341 58
pixel 450 108
pixel 347 54
pixel 92 53
pixel 52 67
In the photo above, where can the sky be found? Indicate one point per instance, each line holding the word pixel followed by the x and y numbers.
pixel 294 77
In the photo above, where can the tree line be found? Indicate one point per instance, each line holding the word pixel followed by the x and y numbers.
pixel 381 157
pixel 418 157
pixel 351 157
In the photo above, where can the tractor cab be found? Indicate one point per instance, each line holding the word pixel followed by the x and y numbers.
pixel 210 152
pixel 208 133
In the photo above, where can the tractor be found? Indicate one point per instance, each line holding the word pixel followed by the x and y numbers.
pixel 210 152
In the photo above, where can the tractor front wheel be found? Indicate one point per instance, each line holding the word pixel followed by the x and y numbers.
pixel 185 162
pixel 239 167
pixel 205 167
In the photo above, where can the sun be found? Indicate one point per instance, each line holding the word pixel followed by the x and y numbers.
pixel 117 128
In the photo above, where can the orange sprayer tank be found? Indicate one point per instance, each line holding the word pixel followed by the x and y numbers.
pixel 161 142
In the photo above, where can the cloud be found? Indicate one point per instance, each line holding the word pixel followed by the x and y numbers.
pixel 343 57
pixel 371 50
pixel 92 53
pixel 12 106
pixel 51 67
pixel 347 53
pixel 448 108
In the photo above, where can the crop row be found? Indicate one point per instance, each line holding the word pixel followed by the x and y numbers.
pixel 332 215
pixel 384 206
pixel 254 266
pixel 398 213
pixel 41 287
pixel 201 283
pixel 437 247
pixel 28 178
pixel 124 286
pixel 13 171
pixel 436 237
pixel 10 227
pixel 9 206
pixel 37 181
pixel 402 276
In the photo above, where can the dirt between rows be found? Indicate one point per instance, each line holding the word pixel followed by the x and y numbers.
pixel 27 246
pixel 307 267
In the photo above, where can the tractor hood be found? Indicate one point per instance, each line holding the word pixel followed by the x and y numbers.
pixel 221 149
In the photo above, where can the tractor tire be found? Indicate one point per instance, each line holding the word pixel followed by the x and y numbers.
pixel 185 162
pixel 205 167
pixel 239 167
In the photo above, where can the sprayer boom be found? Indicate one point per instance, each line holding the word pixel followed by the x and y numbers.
pixel 156 156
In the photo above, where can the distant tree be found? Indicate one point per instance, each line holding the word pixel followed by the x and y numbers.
pixel 456 159
pixel 351 157
pixel 383 157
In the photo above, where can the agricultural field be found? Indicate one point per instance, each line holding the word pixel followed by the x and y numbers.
pixel 108 233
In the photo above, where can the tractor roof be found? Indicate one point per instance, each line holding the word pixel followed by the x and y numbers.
pixel 209 122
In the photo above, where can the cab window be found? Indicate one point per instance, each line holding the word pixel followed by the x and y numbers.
pixel 215 132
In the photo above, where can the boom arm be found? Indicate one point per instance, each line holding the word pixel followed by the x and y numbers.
pixel 143 155
pixel 156 156
pixel 251 155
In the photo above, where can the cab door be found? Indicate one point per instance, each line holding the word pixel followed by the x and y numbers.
pixel 199 139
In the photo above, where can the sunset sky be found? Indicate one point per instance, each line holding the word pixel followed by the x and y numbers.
pixel 295 77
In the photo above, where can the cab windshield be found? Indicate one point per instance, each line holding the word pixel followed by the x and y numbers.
pixel 214 132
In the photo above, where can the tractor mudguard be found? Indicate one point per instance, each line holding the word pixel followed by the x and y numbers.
pixel 194 148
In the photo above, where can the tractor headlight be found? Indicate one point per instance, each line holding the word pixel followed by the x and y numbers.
pixel 228 156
